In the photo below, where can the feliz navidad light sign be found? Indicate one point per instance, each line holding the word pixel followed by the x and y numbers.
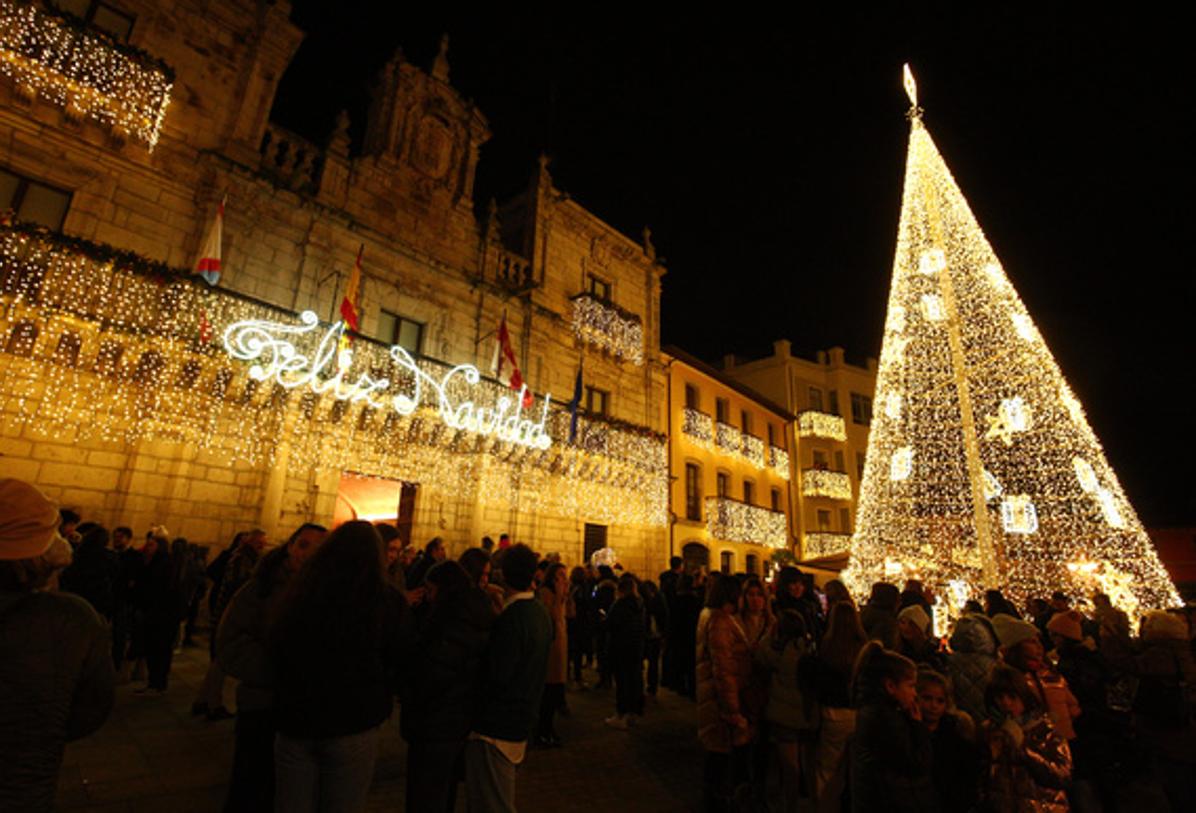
pixel 271 348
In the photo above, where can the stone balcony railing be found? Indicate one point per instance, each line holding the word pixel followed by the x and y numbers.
pixel 84 71
pixel 824 483
pixel 698 426
pixel 817 544
pixel 737 521
pixel 815 424
pixel 778 460
pixel 609 327
pixel 290 160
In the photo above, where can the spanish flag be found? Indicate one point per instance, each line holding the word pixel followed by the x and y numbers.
pixel 352 295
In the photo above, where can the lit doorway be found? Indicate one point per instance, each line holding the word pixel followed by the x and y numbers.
pixel 376 499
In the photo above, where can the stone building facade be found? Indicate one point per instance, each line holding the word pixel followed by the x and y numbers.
pixel 120 395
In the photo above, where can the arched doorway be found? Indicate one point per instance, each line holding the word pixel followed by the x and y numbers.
pixel 695 555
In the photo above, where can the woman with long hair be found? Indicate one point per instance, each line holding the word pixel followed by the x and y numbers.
pixel 844 639
pixel 337 644
pixel 554 595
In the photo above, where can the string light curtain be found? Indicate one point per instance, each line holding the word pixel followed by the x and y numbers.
pixel 982 470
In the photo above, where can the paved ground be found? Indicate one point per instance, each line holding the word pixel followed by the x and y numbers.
pixel 152 755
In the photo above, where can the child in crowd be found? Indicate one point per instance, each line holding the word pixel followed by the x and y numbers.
pixel 952 737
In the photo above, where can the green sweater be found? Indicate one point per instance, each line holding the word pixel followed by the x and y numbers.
pixel 513 676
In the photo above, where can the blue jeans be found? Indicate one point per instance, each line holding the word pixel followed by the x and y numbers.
pixel 327 775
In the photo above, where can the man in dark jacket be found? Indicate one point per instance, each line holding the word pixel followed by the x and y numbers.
pixel 512 680
pixel 56 675
pixel 668 594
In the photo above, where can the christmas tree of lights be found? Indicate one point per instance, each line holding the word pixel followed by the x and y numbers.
pixel 982 470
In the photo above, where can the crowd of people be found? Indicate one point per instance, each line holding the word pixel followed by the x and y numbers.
pixel 803 701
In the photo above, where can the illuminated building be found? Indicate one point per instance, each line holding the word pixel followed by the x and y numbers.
pixel 135 393
pixel 832 404
pixel 730 468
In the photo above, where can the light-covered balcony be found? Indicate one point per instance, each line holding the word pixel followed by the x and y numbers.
pixel 737 521
pixel 697 426
pixel 818 544
pixel 824 483
pixel 727 437
pixel 778 460
pixel 608 327
pixel 753 450
pixel 815 424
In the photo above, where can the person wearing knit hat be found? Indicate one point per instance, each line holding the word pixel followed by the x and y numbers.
pixel 1067 624
pixel 914 638
pixel 1022 648
pixel 1012 631
pixel 56 668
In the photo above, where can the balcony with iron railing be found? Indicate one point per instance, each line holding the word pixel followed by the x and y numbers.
pixel 825 483
pixel 84 71
pixel 737 521
pixel 605 325
pixel 819 544
pixel 815 424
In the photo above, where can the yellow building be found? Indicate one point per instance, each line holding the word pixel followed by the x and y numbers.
pixel 730 498
pixel 137 394
pixel 833 404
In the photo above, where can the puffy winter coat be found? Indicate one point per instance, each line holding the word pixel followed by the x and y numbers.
pixel 56 685
pixel 724 669
pixel 973 653
pixel 558 653
pixel 1030 777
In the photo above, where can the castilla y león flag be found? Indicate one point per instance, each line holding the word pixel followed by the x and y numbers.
pixel 208 266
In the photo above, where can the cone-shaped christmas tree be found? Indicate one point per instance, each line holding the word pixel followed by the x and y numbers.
pixel 982 470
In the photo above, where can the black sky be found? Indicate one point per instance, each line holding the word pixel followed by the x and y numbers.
pixel 766 153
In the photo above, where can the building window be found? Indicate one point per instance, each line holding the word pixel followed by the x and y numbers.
pixel 824 519
pixel 32 201
pixel 22 339
pixel 724 483
pixel 597 401
pixel 839 461
pixel 775 497
pixel 691 396
pixel 722 410
pixel 815 399
pixel 726 560
pixel 861 408
pixel 749 492
pixel 406 333
pixel 833 398
pixel 693 492
pixel 820 459
pixel 100 16
pixel 593 540
pixel 859 465
pixel 751 561
pixel 845 520
pixel 772 437
pixel 67 351
pixel 599 289
pixel 745 420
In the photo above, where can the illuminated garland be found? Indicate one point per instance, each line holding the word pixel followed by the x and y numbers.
pixel 739 522
pixel 818 544
pixel 779 461
pixel 698 426
pixel 982 470
pixel 727 437
pixel 608 327
pixel 823 483
pixel 84 70
pixel 102 350
pixel 814 424
pixel 753 450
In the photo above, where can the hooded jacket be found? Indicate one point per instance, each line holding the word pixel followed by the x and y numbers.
pixel 973 653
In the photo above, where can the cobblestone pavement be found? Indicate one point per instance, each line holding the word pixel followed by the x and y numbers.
pixel 152 755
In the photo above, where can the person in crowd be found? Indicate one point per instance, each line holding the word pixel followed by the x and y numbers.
pixel 916 594
pixel 995 603
pixel 914 640
pixel 791 711
pixel 757 622
pixel 579 626
pixel 1060 603
pixel 755 615
pixel 477 565
pixel 93 572
pixel 956 769
pixel 128 563
pixel 68 526
pixel 891 754
pixel 1113 628
pixel 1022 649
pixel 340 638
pixel 793 593
pixel 243 653
pixel 392 543
pixel 210 702
pixel 973 653
pixel 879 615
pixel 434 553
pixel 682 637
pixel 504 541
pixel 668 592
pixel 157 601
pixel 604 598
pixel 835 592
pixel 512 680
pixel 656 627
pixel 1039 612
pixel 554 595
pixel 442 688
pixel 488 544
pixel 841 644
pixel 1165 705
pixel 625 649
pixel 187 579
pixel 199 555
pixel 1027 763
pixel 56 674
pixel 724 662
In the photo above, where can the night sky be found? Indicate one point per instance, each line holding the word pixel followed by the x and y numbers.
pixel 767 156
